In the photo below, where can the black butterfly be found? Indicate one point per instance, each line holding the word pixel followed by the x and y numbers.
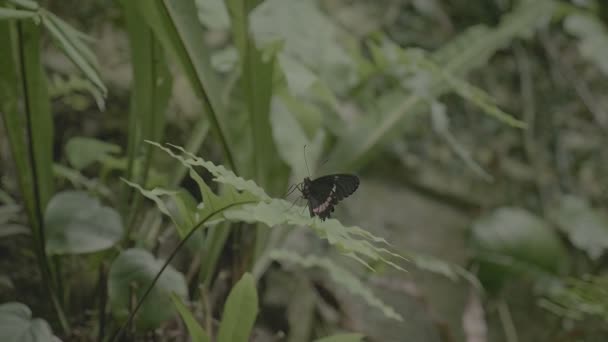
pixel 324 192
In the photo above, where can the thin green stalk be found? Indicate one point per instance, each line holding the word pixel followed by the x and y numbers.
pixel 38 218
pixel 103 299
pixel 120 332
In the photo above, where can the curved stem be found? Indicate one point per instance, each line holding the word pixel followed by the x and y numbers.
pixel 120 332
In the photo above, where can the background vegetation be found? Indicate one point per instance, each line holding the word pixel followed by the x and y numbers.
pixel 147 145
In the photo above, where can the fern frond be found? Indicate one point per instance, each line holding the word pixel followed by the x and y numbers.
pixel 244 201
pixel 340 276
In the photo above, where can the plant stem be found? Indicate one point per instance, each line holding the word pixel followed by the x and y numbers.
pixel 37 217
pixel 120 332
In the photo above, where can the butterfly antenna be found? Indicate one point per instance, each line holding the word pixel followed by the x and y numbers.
pixel 306 162
pixel 291 189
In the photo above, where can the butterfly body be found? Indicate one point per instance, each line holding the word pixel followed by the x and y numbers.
pixel 325 192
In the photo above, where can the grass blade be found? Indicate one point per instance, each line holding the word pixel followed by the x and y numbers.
pixel 151 90
pixel 77 52
pixel 176 26
pixel 240 311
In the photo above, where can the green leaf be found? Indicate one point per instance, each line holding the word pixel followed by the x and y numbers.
pixel 342 338
pixel 14 125
pixel 176 26
pixel 17 325
pixel 357 144
pixel 130 275
pixel 509 241
pixel 240 311
pixel 77 223
pixel 74 48
pixel 197 334
pixel 256 81
pixel 39 107
pixel 82 151
pixel 212 207
pixel 586 227
pixel 152 84
pixel 79 181
pixel 290 137
pixel 27 4
pixel 340 276
pixel 245 201
pixel 28 121
pixel 290 22
pixel 9 13
pixel 580 298
pixel 352 241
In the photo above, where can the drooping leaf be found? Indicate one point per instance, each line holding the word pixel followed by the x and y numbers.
pixel 130 275
pixel 512 241
pixel 78 223
pixel 341 276
pixel 17 325
pixel 240 311
pixel 197 334
pixel 74 48
pixel 83 151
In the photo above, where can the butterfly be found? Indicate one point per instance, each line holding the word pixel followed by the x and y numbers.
pixel 325 192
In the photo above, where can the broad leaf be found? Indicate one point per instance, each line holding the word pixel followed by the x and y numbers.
pixel 82 151
pixel 240 311
pixel 17 325
pixel 513 240
pixel 78 223
pixel 130 275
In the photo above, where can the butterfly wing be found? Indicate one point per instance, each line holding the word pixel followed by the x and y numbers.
pixel 325 192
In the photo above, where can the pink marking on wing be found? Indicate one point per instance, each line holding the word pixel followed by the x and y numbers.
pixel 324 205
